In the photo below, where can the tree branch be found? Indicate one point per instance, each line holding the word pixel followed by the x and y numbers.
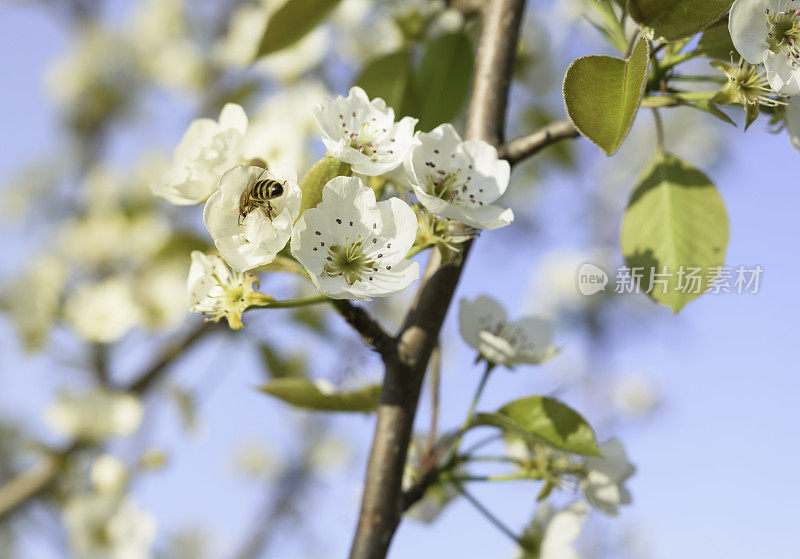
pixel 32 482
pixel 382 502
pixel 371 332
pixel 521 148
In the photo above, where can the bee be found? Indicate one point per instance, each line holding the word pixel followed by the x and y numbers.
pixel 259 196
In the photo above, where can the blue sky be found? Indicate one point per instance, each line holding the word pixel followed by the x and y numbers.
pixel 715 465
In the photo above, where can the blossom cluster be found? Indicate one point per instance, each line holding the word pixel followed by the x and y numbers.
pixel 352 245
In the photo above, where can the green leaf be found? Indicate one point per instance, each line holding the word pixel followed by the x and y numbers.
pixel 439 86
pixel 303 393
pixel 280 367
pixel 388 77
pixel 675 19
pixel 546 420
pixel 293 21
pixel 716 41
pixel 675 220
pixel 602 95
pixel 317 177
pixel 712 109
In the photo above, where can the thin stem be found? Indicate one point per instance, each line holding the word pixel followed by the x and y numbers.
pixel 524 147
pixel 436 365
pixel 478 393
pixel 632 43
pixel 697 78
pixel 499 524
pixel 361 321
pixel 292 303
pixel 482 443
pixel 470 412
pixel 419 248
pixel 499 477
pixel 659 131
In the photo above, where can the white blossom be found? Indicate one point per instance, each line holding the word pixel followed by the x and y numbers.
pixel 103 312
pixel 459 180
pixel 604 484
pixel 279 131
pixel 164 44
pixel 206 151
pixel 109 475
pixel 485 327
pixel 101 526
pixel 108 237
pixel 551 532
pixel 353 247
pixel 248 241
pixel 217 292
pixel 364 133
pixel 94 416
pixel 364 33
pixel 160 289
pixel 635 394
pixel 793 122
pixel 33 299
pixel 239 47
pixel 767 32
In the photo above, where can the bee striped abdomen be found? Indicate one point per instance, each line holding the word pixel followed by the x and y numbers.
pixel 259 196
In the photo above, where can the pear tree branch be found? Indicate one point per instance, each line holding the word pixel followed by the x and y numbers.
pixel 382 501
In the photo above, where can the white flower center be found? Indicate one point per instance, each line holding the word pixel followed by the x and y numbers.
pixel 349 261
pixel 365 136
pixel 453 185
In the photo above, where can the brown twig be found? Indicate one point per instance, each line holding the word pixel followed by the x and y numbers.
pixel 34 481
pixel 382 501
pixel 521 148
pixel 371 332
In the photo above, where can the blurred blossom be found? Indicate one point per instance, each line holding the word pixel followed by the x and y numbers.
pixel 554 286
pixel 485 327
pixel 93 78
pixel 208 149
pixel 604 484
pixel 104 311
pixel 94 416
pixel 239 47
pixel 329 456
pixel 32 299
pixel 28 189
pixel 107 239
pixel 108 527
pixel 288 64
pixel 190 543
pixel 165 49
pixel 109 475
pixel 793 122
pixel 417 18
pixel 281 127
pixel 161 291
pixel 363 33
pixel 552 531
pixel 254 460
pixel 635 394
